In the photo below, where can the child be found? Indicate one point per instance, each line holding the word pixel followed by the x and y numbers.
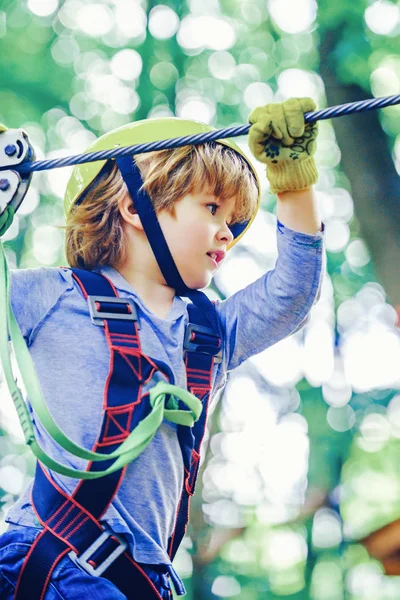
pixel 204 199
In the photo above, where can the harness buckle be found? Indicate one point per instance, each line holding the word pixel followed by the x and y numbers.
pixel 206 343
pixel 83 559
pixel 97 314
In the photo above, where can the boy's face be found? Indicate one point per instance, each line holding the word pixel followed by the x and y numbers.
pixel 200 226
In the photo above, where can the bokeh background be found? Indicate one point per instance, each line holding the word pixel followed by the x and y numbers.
pixel 299 494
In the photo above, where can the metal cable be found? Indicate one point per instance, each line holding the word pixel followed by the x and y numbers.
pixel 200 138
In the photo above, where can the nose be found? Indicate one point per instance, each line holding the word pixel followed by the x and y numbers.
pixel 225 234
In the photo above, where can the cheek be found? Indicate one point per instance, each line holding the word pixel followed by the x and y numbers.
pixel 187 237
pixel 181 246
pixel 193 238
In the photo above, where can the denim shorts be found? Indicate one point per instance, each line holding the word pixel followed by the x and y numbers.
pixel 68 580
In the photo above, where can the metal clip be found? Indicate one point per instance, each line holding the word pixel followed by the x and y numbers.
pixel 98 315
pixel 83 559
pixel 14 150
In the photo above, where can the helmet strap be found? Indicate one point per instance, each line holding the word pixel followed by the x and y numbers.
pixel 151 226
pixel 157 241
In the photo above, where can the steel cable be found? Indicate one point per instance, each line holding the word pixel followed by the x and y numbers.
pixel 200 138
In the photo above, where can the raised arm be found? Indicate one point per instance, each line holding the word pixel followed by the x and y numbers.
pixel 278 303
pixel 299 211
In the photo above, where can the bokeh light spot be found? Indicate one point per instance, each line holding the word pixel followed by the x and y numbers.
pixel 195 108
pixel 130 18
pixel 293 16
pixel 163 75
pixel 225 587
pixel 337 235
pixel 357 253
pixel 11 479
pixel 206 31
pixel 43 8
pixel 127 64
pixel 163 22
pixel 341 418
pixel 95 19
pixel 65 50
pixel 257 94
pixel 382 17
pixel 221 65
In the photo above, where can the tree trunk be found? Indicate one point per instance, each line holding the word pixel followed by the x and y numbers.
pixel 368 165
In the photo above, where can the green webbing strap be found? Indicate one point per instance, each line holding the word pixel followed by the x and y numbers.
pixel 162 404
pixel 6 218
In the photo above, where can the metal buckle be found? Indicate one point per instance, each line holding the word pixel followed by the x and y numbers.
pixel 82 559
pixel 190 346
pixel 97 316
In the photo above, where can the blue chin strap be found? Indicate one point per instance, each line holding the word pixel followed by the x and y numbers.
pixel 151 226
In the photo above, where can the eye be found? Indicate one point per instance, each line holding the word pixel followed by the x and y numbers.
pixel 214 210
pixel 215 206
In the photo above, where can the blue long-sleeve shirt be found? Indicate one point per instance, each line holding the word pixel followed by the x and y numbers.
pixel 72 362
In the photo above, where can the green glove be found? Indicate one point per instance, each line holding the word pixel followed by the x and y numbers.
pixel 3 128
pixel 280 138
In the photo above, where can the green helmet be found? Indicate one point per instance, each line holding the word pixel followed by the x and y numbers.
pixel 140 132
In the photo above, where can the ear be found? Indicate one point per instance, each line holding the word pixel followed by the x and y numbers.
pixel 129 213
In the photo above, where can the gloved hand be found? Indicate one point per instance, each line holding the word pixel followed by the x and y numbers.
pixel 280 138
pixel 3 128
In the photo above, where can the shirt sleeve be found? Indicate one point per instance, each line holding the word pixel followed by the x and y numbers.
pixel 278 303
pixel 34 293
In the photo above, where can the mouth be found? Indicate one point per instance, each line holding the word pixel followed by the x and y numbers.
pixel 217 257
pixel 213 261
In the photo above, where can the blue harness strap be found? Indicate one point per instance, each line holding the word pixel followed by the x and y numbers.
pixel 71 523
pixel 202 347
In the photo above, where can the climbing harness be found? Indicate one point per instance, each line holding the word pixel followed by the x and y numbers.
pixel 71 522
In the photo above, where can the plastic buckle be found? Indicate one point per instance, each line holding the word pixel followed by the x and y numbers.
pixel 98 316
pixel 82 559
pixel 190 346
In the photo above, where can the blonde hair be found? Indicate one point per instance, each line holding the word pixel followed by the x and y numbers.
pixel 94 229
